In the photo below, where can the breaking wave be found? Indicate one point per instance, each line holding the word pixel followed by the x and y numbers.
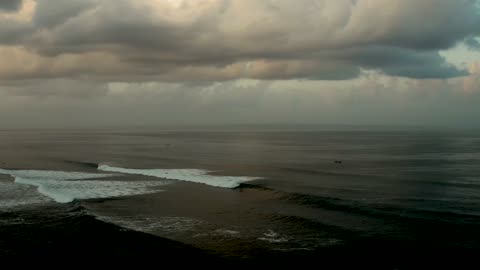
pixel 189 175
pixel 65 187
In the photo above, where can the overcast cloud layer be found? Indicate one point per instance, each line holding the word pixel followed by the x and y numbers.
pixel 178 40
pixel 192 53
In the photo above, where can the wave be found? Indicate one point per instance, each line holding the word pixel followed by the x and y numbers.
pixel 68 191
pixel 188 175
pixel 390 211
pixel 53 175
pixel 86 164
pixel 273 237
pixel 165 225
pixel 14 196
pixel 65 187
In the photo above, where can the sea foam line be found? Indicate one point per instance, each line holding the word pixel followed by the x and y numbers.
pixel 188 175
pixel 53 175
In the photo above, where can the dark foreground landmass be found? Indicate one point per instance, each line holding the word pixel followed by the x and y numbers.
pixel 55 239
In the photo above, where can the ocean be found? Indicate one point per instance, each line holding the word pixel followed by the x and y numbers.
pixel 347 197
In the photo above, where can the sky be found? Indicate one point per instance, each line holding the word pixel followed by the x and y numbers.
pixel 213 62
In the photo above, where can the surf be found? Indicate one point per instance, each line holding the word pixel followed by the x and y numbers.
pixel 66 187
pixel 188 175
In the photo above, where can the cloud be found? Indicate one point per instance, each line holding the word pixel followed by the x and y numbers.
pixel 472 43
pixel 10 5
pixel 475 68
pixel 51 13
pixel 219 40
pixel 25 64
pixel 371 99
pixel 63 88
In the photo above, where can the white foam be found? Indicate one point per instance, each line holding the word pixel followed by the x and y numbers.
pixel 53 175
pixel 68 191
pixel 64 187
pixel 158 225
pixel 273 240
pixel 189 175
pixel 12 195
pixel 273 237
pixel 227 232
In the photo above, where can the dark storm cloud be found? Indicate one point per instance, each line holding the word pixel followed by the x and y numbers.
pixel 10 5
pixel 212 40
pixel 51 13
pixel 405 62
